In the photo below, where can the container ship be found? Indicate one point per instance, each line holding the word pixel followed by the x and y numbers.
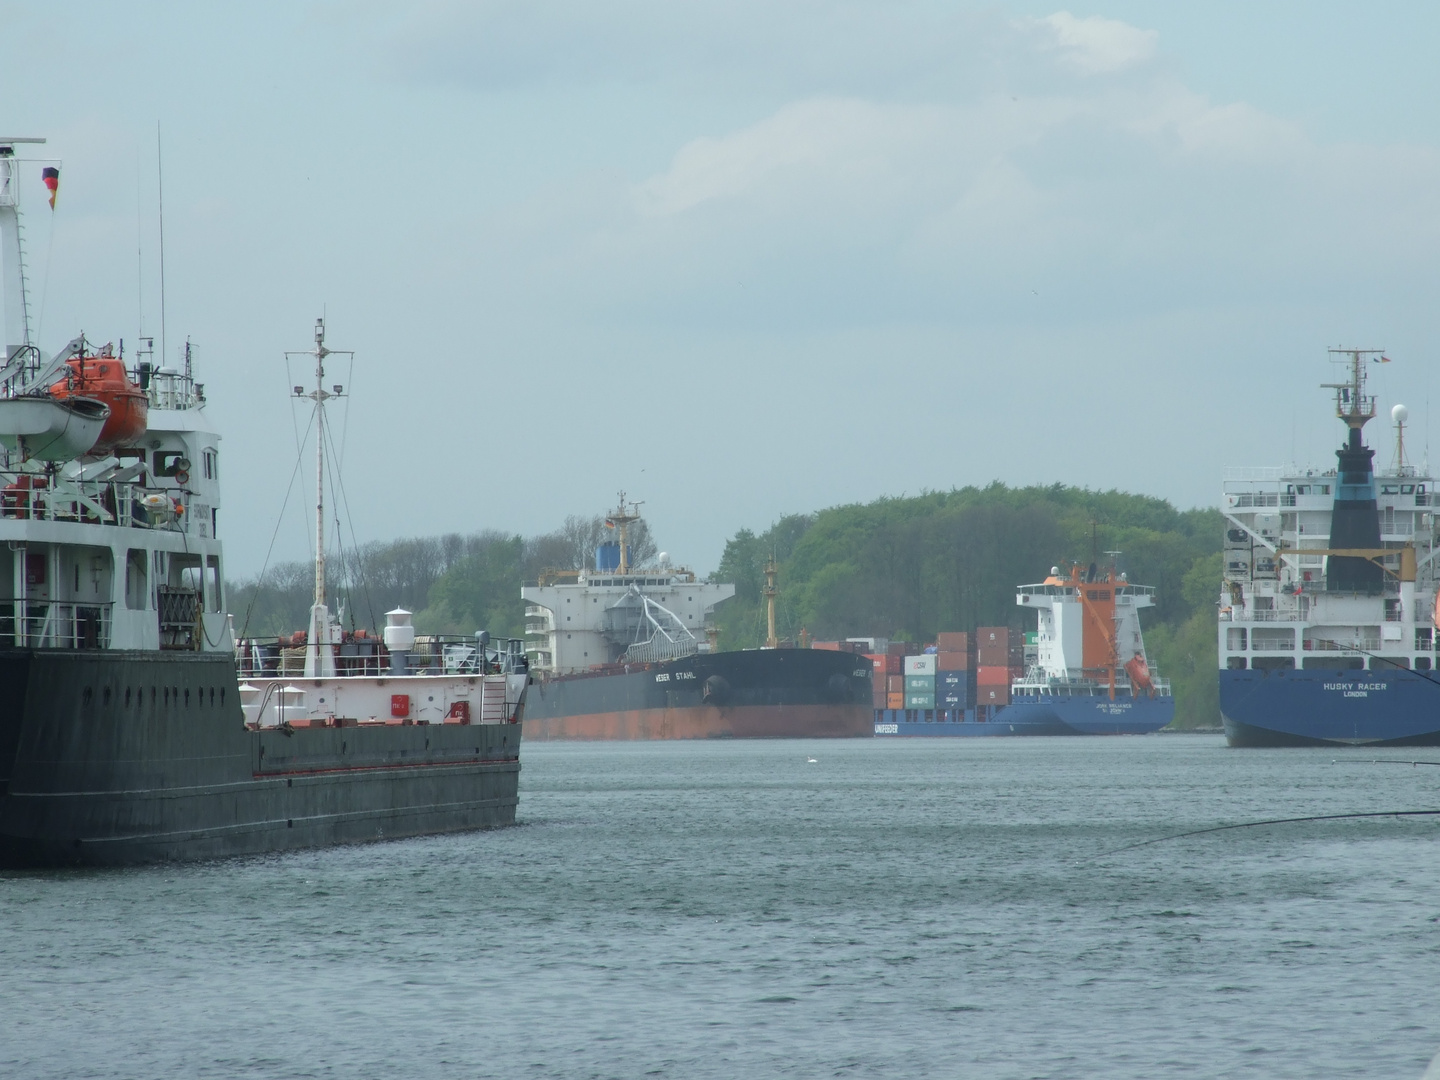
pixel 1083 671
pixel 625 652
pixel 126 733
pixel 1328 601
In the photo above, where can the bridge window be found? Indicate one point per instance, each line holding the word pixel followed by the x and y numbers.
pixel 169 462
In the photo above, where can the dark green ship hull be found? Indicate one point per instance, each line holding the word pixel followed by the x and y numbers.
pixel 132 757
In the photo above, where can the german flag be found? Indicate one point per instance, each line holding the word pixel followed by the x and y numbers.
pixel 51 176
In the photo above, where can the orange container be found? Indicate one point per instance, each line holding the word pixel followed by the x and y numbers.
pixel 895 701
pixel 992 676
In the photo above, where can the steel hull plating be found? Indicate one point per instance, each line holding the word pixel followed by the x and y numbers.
pixel 115 757
pixel 1036 716
pixel 763 693
pixel 1394 707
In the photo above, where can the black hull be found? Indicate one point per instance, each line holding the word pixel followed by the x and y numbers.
pixel 114 758
pixel 760 693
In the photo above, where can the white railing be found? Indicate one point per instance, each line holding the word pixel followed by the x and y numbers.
pixel 1253 473
pixel 90 503
pixel 43 624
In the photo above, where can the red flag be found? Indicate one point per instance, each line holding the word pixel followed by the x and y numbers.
pixel 1384 360
pixel 51 176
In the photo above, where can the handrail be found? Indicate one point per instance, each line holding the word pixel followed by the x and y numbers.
pixel 55 624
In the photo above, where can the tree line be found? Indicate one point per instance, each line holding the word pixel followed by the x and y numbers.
pixel 455 584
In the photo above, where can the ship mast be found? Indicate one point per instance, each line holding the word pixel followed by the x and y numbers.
pixel 622 519
pixel 1352 404
pixel 12 252
pixel 320 639
pixel 771 641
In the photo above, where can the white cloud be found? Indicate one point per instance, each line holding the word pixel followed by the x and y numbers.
pixel 1094 45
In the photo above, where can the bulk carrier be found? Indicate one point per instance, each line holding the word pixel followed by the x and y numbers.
pixel 1327 605
pixel 1086 673
pixel 125 734
pixel 617 653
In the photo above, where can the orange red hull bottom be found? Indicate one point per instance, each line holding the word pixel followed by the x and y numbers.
pixel 710 722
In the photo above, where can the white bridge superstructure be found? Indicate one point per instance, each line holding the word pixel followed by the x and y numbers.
pixel 587 618
pixel 1275 611
pixel 594 617
pixel 1088 638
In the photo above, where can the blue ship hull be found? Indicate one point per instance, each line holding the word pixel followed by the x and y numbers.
pixel 1393 707
pixel 1034 716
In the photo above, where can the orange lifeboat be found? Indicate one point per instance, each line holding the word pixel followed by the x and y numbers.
pixel 103 378
pixel 1139 673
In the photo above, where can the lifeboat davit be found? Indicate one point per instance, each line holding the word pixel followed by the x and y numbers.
pixel 103 378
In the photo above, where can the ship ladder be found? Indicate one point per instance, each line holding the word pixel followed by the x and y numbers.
pixel 493 708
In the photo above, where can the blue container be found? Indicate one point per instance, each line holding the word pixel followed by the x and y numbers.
pixel 953 699
pixel 607 557
pixel 950 680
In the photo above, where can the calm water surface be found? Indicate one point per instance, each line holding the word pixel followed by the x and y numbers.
pixel 895 908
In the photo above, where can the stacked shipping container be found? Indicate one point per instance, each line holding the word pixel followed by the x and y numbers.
pixel 954 671
pixel 920 681
pixel 1000 658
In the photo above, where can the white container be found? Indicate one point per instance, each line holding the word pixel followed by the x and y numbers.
pixel 920 665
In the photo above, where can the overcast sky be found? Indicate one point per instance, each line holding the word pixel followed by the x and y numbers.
pixel 742 259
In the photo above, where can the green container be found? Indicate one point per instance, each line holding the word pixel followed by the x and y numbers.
pixel 920 701
pixel 919 684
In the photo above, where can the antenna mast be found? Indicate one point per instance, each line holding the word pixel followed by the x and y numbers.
pixel 160 201
pixel 319 646
pixel 771 641
pixel 622 519
pixel 16 326
pixel 1352 404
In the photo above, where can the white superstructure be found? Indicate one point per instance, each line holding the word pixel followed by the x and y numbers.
pixel 1088 636
pixel 111 548
pixel 1275 611
pixel 579 619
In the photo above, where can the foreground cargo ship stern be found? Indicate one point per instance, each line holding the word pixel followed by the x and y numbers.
pixel 94 770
